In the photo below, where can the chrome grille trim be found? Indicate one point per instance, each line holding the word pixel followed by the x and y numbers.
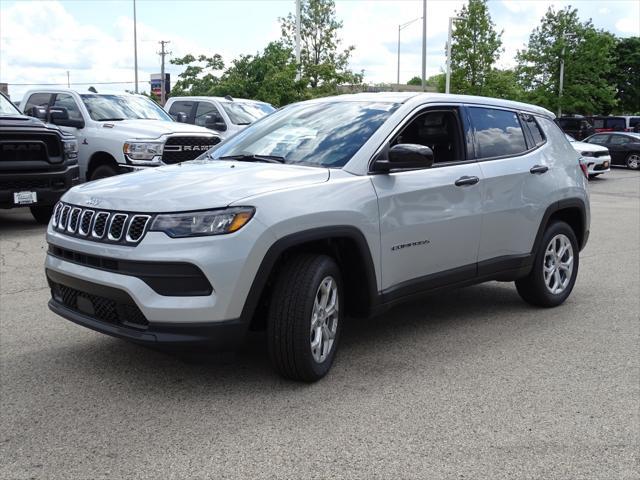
pixel 122 228
pixel 86 213
pixel 94 233
pixel 56 214
pixel 114 218
pixel 130 227
pixel 64 216
pixel 74 218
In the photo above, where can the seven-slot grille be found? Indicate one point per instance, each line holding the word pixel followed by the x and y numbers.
pixel 100 225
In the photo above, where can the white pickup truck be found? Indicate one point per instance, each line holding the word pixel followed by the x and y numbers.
pixel 118 133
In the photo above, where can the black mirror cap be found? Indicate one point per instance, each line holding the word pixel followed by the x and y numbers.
pixel 214 123
pixel 60 116
pixel 181 117
pixel 37 112
pixel 405 156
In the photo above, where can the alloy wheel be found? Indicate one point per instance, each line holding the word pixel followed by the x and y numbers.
pixel 558 264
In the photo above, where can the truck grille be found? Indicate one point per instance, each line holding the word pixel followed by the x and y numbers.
pixel 182 149
pixel 30 147
pixel 100 226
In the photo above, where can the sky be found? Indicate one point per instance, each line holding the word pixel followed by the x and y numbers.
pixel 40 41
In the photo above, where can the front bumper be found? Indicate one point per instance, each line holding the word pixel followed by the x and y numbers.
pixel 49 186
pixel 112 311
pixel 598 165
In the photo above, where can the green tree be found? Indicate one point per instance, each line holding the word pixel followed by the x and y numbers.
pixel 587 54
pixel 626 74
pixel 269 76
pixel 475 47
pixel 503 84
pixel 323 64
pixel 415 81
pixel 198 77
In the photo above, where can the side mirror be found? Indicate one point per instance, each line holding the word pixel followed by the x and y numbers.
pixel 60 116
pixel 215 123
pixel 181 117
pixel 37 112
pixel 405 156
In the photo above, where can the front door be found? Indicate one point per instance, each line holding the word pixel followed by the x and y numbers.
pixel 430 219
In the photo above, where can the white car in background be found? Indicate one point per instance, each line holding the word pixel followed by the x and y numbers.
pixel 226 116
pixel 596 157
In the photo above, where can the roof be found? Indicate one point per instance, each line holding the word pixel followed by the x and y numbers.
pixel 199 98
pixel 419 98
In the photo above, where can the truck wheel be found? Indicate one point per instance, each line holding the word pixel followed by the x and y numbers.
pixel 103 171
pixel 305 317
pixel 41 213
pixel 555 268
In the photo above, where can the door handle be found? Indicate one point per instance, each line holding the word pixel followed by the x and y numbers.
pixel 466 180
pixel 539 169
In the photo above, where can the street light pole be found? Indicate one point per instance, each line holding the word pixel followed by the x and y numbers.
pixel 400 27
pixel 424 45
pixel 298 38
pixel 448 77
pixel 135 44
pixel 561 85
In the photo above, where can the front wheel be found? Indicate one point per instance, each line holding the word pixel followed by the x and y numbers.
pixel 633 161
pixel 42 213
pixel 305 317
pixel 103 171
pixel 555 268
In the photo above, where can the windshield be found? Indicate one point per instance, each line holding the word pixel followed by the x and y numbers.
pixel 244 113
pixel 122 107
pixel 315 134
pixel 7 108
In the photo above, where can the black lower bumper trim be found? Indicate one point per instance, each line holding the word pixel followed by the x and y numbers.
pixel 49 186
pixel 219 336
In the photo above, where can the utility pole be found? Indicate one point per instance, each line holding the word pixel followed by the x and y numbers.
pixel 163 53
pixel 298 38
pixel 424 45
pixel 135 44
pixel 68 81
pixel 565 37
pixel 448 82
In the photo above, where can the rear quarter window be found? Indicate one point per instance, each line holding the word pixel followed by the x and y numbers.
pixel 531 124
pixel 498 133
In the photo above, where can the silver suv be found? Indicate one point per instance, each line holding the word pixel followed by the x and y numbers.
pixel 329 208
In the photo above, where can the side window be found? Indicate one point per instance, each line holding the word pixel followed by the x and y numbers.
pixel 439 130
pixel 178 107
pixel 498 132
pixel 531 124
pixel 616 123
pixel 598 123
pixel 204 109
pixel 66 101
pixel 599 139
pixel 37 100
pixel 618 140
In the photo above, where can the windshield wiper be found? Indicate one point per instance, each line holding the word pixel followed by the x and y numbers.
pixel 255 158
pixel 111 119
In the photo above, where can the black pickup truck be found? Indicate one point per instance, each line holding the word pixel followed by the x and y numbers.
pixel 38 162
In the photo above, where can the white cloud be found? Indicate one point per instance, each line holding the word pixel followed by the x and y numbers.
pixel 629 25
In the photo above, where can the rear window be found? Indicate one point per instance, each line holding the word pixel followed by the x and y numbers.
pixel 610 123
pixel 532 125
pixel 498 132
pixel 568 123
pixel 634 121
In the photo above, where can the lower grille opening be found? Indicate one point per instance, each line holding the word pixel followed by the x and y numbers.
pixel 98 307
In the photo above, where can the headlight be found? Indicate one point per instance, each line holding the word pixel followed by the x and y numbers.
pixel 146 151
pixel 587 154
pixel 70 148
pixel 195 224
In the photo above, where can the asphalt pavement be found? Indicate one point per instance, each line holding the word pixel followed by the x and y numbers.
pixel 470 384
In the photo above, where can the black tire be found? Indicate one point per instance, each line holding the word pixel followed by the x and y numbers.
pixel 532 288
pixel 631 160
pixel 42 213
pixel 290 315
pixel 103 171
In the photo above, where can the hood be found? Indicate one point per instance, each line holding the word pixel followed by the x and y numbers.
pixel 191 186
pixel 151 129
pixel 17 120
pixel 588 147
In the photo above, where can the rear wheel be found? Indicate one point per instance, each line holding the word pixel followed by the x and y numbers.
pixel 554 270
pixel 633 161
pixel 305 317
pixel 42 213
pixel 103 171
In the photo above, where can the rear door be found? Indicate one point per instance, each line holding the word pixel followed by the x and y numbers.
pixel 618 148
pixel 518 183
